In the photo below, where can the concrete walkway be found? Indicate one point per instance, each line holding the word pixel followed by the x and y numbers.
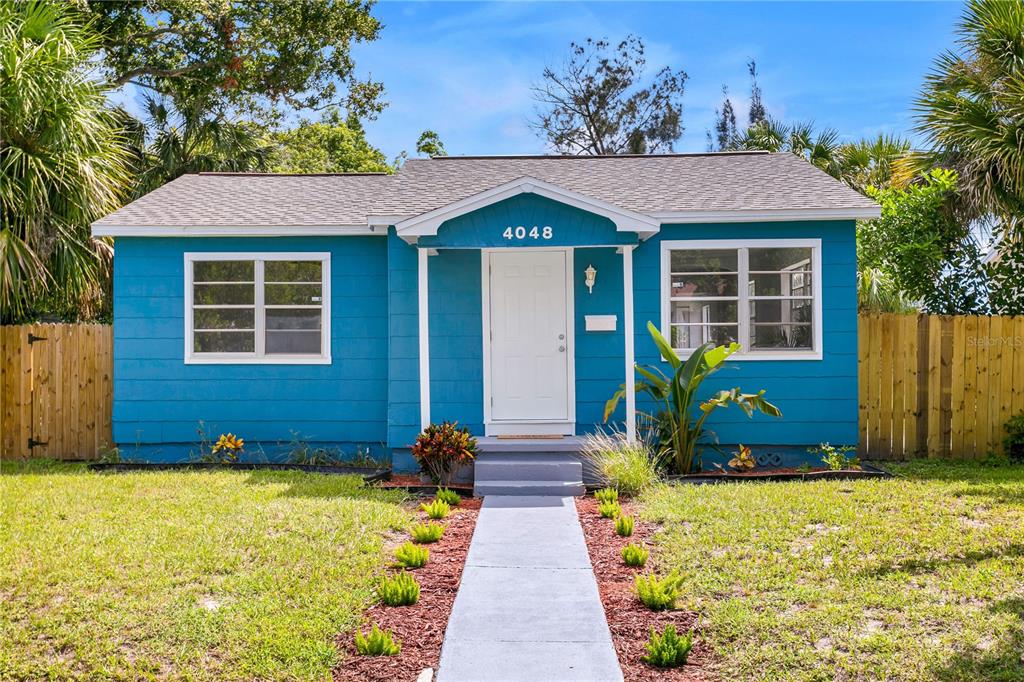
pixel 528 606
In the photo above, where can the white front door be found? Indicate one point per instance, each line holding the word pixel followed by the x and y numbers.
pixel 529 346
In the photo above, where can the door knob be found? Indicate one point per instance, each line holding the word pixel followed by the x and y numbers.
pixel 561 349
pixel 561 336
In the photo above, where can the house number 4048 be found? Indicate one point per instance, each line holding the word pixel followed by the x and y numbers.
pixel 522 232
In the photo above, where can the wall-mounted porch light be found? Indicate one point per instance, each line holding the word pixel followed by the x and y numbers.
pixel 591 276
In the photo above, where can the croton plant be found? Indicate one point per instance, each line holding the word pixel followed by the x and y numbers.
pixel 441 448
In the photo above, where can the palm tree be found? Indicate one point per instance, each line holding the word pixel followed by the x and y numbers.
pixel 820 149
pixel 971 113
pixel 870 162
pixel 62 163
pixel 193 142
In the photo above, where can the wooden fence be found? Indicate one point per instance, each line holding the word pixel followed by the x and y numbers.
pixel 937 385
pixel 56 390
pixel 929 385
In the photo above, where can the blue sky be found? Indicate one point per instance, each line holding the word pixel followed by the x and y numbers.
pixel 465 69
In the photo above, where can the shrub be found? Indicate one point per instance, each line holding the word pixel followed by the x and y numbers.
pixel 668 650
pixel 377 643
pixel 626 467
pixel 834 457
pixel 301 452
pixel 440 448
pixel 438 509
pixel 634 555
pixel 1013 444
pixel 449 497
pixel 412 556
pixel 624 525
pixel 607 495
pixel 609 510
pixel 427 532
pixel 743 459
pixel 658 594
pixel 399 590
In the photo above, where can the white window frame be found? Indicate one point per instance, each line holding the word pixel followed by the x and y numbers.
pixel 259 356
pixel 743 294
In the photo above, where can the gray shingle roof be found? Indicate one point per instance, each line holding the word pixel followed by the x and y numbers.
pixel 651 185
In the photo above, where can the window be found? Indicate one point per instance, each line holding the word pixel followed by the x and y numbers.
pixel 763 294
pixel 265 308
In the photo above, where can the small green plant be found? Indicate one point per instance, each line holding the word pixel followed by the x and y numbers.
pixel 399 590
pixel 605 495
pixel 609 510
pixel 834 457
pixel 668 650
pixel 412 556
pixel 634 555
pixel 424 533
pixel 449 497
pixel 624 525
pixel 377 643
pixel 1013 444
pixel 658 594
pixel 804 468
pixel 438 509
pixel 301 452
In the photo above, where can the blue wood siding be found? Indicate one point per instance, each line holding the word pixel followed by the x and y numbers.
pixel 159 401
pixel 600 356
pixel 403 411
pixel 818 398
pixel 456 338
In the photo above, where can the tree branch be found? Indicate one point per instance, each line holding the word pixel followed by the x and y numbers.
pixel 158 73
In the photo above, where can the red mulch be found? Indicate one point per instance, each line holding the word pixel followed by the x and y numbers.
pixel 419 627
pixel 629 620
pixel 413 482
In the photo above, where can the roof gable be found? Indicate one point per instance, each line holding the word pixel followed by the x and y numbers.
pixel 428 223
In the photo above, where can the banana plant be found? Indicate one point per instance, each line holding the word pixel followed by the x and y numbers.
pixel 680 427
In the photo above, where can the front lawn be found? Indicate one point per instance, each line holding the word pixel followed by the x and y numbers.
pixel 916 578
pixel 197 575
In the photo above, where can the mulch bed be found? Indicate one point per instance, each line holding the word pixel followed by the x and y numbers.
pixel 413 484
pixel 629 620
pixel 776 474
pixel 420 627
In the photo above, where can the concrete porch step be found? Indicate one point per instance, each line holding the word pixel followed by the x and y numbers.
pixel 554 488
pixel 529 467
pixel 532 473
pixel 529 445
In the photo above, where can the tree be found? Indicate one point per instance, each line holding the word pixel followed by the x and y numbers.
pixel 252 58
pixel 870 162
pixel 929 254
pixel 196 143
pixel 62 164
pixel 596 104
pixel 430 144
pixel 331 145
pixel 820 148
pixel 726 133
pixel 971 114
pixel 757 112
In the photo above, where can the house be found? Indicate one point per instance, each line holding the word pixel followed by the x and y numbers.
pixel 509 293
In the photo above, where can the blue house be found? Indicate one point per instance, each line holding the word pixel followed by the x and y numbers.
pixel 508 293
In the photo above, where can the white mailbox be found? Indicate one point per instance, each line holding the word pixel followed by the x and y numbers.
pixel 600 323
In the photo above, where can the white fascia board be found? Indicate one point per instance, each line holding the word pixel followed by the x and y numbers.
pixel 770 215
pixel 384 221
pixel 236 231
pixel 427 224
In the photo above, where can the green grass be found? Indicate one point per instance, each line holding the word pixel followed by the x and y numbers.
pixel 916 578
pixel 184 575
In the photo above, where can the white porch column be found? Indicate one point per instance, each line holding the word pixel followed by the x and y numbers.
pixel 627 330
pixel 424 336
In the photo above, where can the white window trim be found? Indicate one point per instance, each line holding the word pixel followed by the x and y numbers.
pixel 257 357
pixel 742 295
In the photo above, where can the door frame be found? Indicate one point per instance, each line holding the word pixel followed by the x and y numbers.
pixel 565 427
